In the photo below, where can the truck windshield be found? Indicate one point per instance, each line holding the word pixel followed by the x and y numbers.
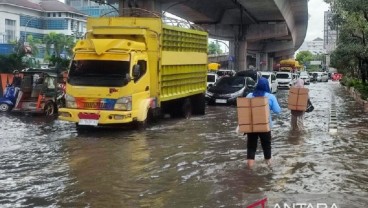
pixel 104 73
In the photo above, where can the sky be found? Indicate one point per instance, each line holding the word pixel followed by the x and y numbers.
pixel 316 9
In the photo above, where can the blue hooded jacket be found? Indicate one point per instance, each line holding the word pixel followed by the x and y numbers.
pixel 263 90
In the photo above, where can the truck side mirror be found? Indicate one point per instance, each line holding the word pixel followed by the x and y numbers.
pixel 136 71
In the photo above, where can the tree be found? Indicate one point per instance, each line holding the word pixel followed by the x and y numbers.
pixel 61 43
pixel 33 43
pixel 350 18
pixel 304 57
pixel 214 48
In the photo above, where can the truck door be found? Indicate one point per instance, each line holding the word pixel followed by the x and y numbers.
pixel 141 79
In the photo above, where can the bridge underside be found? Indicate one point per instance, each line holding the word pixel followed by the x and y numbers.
pixel 268 28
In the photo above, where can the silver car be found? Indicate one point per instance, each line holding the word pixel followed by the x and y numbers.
pixel 305 77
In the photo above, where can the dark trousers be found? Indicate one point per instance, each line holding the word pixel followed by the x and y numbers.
pixel 265 142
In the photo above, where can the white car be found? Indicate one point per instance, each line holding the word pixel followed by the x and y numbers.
pixel 320 76
pixel 284 79
pixel 305 77
pixel 211 79
pixel 271 77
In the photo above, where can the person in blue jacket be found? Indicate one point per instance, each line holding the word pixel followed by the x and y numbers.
pixel 262 90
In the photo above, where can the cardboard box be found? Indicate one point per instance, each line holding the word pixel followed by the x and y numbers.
pixel 298 98
pixel 253 114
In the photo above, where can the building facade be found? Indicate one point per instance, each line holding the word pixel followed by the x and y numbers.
pixel 330 35
pixel 315 46
pixel 94 9
pixel 21 18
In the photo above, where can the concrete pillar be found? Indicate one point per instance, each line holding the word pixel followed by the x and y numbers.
pixel 232 56
pixel 258 61
pixel 270 63
pixel 264 62
pixel 242 56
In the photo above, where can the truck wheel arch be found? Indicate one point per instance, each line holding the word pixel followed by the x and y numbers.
pixel 143 110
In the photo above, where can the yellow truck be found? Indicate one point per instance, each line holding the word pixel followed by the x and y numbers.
pixel 133 69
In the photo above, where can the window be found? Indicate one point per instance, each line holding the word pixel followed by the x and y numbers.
pixel 143 67
pixel 59 14
pixel 9 30
pixel 99 73
pixel 53 14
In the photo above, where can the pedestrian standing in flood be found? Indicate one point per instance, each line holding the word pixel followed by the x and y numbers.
pixel 297 117
pixel 262 90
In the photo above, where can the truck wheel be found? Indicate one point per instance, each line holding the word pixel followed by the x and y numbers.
pixel 49 109
pixel 199 104
pixel 4 107
pixel 186 108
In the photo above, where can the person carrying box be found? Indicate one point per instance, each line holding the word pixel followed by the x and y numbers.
pixel 259 129
pixel 298 104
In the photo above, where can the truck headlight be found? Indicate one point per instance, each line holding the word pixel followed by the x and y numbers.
pixel 70 101
pixel 124 103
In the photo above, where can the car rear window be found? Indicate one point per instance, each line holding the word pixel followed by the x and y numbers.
pixel 282 76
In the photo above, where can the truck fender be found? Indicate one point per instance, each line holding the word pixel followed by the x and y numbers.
pixel 143 109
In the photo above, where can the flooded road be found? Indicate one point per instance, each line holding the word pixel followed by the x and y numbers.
pixel 199 162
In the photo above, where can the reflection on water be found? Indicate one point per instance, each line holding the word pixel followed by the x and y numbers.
pixel 198 162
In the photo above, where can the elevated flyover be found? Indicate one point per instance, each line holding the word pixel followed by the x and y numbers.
pixel 264 29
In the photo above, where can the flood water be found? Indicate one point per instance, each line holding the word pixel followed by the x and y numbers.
pixel 199 162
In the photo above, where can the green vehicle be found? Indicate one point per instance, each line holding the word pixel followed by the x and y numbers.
pixel 39 92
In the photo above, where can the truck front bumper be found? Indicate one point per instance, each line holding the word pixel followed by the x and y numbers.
pixel 103 116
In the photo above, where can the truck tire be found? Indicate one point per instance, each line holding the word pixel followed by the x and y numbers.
pixel 186 108
pixel 199 104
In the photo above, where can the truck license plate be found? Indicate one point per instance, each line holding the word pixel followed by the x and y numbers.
pixel 88 122
pixel 221 101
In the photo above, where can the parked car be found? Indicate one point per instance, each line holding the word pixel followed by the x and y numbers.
pixel 314 77
pixel 284 79
pixel 249 73
pixel 211 79
pixel 227 89
pixel 324 77
pixel 271 77
pixel 320 76
pixel 305 76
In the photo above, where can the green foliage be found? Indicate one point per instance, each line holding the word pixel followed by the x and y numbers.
pixel 59 42
pixel 33 43
pixel 313 68
pixel 59 62
pixel 304 57
pixel 14 61
pixel 350 19
pixel 214 48
pixel 361 87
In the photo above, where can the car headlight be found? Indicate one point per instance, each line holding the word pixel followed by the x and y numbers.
pixel 235 94
pixel 124 103
pixel 70 101
pixel 209 94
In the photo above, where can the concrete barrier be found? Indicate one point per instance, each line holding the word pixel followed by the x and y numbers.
pixel 357 96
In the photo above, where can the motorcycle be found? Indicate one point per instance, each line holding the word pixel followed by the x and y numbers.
pixel 7 102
